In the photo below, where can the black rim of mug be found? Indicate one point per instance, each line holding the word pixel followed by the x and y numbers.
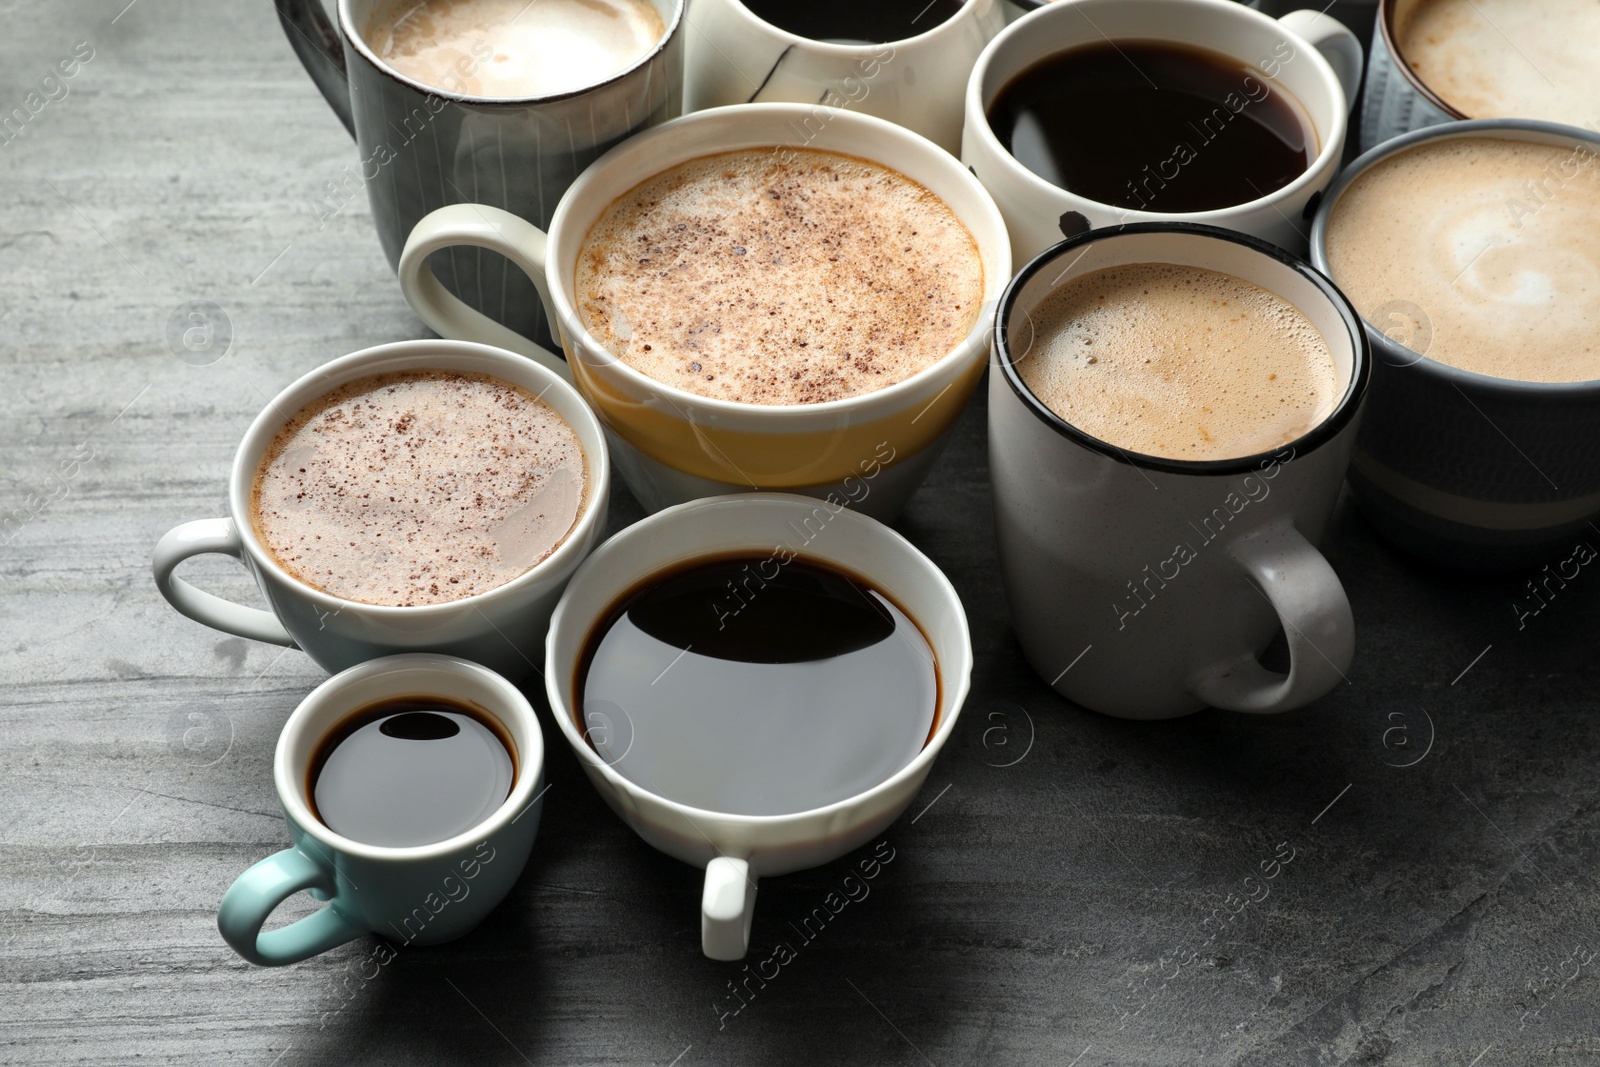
pixel 1342 415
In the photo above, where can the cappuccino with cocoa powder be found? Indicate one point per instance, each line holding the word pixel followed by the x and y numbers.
pixel 779 276
pixel 417 488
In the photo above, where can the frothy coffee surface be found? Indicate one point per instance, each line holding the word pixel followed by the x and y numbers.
pixel 1178 362
pixel 418 488
pixel 1482 253
pixel 514 49
pixel 776 276
pixel 1508 58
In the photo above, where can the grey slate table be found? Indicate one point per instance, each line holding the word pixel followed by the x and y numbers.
pixel 1068 890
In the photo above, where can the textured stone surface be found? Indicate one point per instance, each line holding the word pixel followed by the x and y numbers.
pixel 1070 908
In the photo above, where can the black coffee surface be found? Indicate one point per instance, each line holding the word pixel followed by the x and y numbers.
pixel 1154 126
pixel 753 686
pixel 855 21
pixel 410 772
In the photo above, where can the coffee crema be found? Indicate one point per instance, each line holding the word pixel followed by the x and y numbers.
pixel 1177 362
pixel 1532 59
pixel 779 276
pixel 418 488
pixel 1487 247
pixel 514 49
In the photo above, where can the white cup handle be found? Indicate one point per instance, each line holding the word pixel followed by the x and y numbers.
pixel 1340 47
pixel 479 226
pixel 195 539
pixel 1311 604
pixel 726 908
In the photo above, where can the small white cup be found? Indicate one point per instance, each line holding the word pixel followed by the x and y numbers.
pixel 737 849
pixel 501 628
pixel 1312 56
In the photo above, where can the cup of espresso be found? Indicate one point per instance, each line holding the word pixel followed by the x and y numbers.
pixel 501 102
pixel 1473 252
pixel 1169 426
pixel 420 496
pixel 1091 113
pixel 902 60
pixel 1436 61
pixel 757 684
pixel 751 303
pixel 412 788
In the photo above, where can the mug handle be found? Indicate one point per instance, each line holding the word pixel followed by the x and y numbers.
pixel 479 226
pixel 316 41
pixel 1311 604
pixel 726 909
pixel 257 892
pixel 196 539
pixel 1340 47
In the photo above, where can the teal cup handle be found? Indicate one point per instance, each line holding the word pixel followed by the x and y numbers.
pixel 257 892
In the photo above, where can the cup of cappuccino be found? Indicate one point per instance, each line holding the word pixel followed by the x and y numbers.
pixel 1170 421
pixel 759 297
pixel 500 102
pixel 424 496
pixel 902 60
pixel 1473 252
pixel 1436 61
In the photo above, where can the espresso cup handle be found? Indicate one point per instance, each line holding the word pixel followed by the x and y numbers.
pixel 1311 604
pixel 726 908
pixel 257 892
pixel 196 539
pixel 1340 47
pixel 316 41
pixel 479 226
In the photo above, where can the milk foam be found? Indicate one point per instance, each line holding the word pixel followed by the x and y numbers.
pixel 779 276
pixel 515 49
pixel 1495 242
pixel 1178 362
pixel 418 488
pixel 1508 58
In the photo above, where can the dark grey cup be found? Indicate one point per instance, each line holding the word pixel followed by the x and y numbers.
pixel 423 147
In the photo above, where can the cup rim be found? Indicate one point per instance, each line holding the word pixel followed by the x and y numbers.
pixel 289 780
pixel 1551 133
pixel 359 42
pixel 1344 412
pixel 828 48
pixel 1386 29
pixel 1037 185
pixel 956 683
pixel 767 116
pixel 337 372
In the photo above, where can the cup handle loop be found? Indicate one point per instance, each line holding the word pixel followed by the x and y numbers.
pixel 726 908
pixel 196 539
pixel 1340 47
pixel 257 892
pixel 1311 604
pixel 316 41
pixel 479 226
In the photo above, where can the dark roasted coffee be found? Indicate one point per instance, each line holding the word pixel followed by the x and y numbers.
pixel 757 685
pixel 1154 126
pixel 855 21
pixel 411 771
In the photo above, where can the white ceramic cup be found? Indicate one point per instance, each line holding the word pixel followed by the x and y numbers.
pixel 501 628
pixel 735 849
pixel 1145 587
pixel 733 56
pixel 671 445
pixel 1311 56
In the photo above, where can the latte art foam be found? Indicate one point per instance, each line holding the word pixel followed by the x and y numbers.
pixel 1495 242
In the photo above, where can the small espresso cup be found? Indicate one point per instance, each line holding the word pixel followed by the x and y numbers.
pixel 502 627
pixel 424 146
pixel 1312 57
pixel 413 895
pixel 736 849
pixel 1145 587
pixel 914 78
pixel 671 445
